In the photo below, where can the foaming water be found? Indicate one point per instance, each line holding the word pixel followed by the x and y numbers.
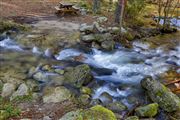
pixel 9 44
pixel 131 66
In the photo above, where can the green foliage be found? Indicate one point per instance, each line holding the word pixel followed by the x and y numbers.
pixel 7 110
pixel 23 98
pixel 134 8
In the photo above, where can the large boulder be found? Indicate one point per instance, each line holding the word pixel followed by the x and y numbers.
pixel 56 94
pixel 8 89
pixel 78 76
pixel 147 111
pixel 95 113
pixel 158 93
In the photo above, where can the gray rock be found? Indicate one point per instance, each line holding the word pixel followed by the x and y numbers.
pixel 108 45
pixel 88 38
pixel 147 111
pixel 8 89
pixel 78 75
pixel 41 76
pixel 116 107
pixel 33 85
pixel 47 118
pixel 132 118
pixel 86 28
pixel 56 94
pixel 106 98
pixel 21 91
pixel 158 93
pixel 73 115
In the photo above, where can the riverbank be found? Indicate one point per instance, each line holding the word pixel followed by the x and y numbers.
pixel 60 68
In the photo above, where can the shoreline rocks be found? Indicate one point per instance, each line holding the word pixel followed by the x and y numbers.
pixel 158 93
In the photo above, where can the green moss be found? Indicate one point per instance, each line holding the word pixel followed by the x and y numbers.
pixel 86 90
pixel 98 113
pixel 148 110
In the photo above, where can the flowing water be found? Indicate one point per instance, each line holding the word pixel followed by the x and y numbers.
pixel 130 66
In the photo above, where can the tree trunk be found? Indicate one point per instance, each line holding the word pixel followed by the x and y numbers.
pixel 96 6
pixel 122 6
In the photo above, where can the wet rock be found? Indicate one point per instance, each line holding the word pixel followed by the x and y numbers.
pixel 132 118
pixel 106 98
pixel 94 113
pixel 108 45
pixel 103 37
pixel 21 91
pixel 86 90
pixel 78 76
pixel 56 94
pixel 116 107
pixel 84 99
pixel 8 89
pixel 147 111
pixel 88 38
pixel 158 93
pixel 102 19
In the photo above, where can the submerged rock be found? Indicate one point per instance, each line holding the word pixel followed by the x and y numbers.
pixel 56 94
pixel 8 89
pixel 78 75
pixel 94 113
pixel 158 93
pixel 147 111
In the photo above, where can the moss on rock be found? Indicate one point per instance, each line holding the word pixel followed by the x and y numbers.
pixel 147 111
pixel 95 113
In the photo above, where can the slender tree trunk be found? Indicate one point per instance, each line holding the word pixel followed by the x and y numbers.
pixel 122 3
pixel 96 6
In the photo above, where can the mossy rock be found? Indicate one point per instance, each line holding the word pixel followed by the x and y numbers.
pixel 3 115
pixel 158 93
pixel 86 90
pixel 95 113
pixel 147 111
pixel 78 76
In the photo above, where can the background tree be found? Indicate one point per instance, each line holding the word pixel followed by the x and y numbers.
pixel 96 6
